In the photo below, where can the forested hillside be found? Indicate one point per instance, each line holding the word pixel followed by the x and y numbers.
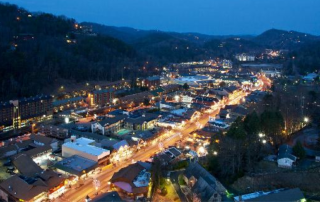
pixel 40 52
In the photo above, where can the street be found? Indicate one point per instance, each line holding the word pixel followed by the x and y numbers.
pixel 87 189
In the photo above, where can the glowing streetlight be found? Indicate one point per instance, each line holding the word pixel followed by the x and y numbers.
pixel 176 98
pixel 215 153
pixel 264 141
pixel 114 101
pixel 202 150
pixel 306 119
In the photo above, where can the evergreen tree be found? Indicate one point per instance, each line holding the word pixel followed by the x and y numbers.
pixel 298 150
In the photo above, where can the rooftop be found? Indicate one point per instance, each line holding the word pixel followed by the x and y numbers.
pixel 65 101
pixel 76 164
pixel 109 196
pixel 275 195
pixel 84 145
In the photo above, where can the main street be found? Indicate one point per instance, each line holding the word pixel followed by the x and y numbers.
pixel 88 189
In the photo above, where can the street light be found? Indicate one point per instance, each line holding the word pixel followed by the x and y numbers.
pixel 176 98
pixel 66 120
pixel 306 119
pixel 96 184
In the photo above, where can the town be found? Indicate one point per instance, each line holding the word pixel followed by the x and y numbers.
pixel 105 140
pixel 233 120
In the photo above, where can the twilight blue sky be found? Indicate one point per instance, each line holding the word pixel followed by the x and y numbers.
pixel 216 17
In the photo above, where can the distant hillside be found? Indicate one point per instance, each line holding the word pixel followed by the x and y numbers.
pixel 280 39
pixel 131 35
pixel 37 51
pixel 125 34
pixel 166 48
pixel 230 46
pixel 307 58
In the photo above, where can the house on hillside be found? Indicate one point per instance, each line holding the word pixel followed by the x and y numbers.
pixel 285 157
pixel 203 185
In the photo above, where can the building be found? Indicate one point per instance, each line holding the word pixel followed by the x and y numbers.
pixel 36 109
pixel 233 92
pixel 19 113
pixel 40 140
pixel 226 64
pixel 268 68
pixel 239 111
pixel 110 124
pixel 151 82
pixel 112 196
pixel 135 99
pixel 285 157
pixel 133 180
pixel 209 101
pixel 26 166
pixel 171 88
pixel 55 132
pixel 40 154
pixel 171 155
pixel 117 85
pixel 281 195
pixel 75 165
pixel 47 185
pixel 12 149
pixel 69 103
pixel 245 57
pixel 84 147
pixel 6 116
pixel 141 121
pixel 187 99
pixel 203 185
pixel 33 183
pixel 101 97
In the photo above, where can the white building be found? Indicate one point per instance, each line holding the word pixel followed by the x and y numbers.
pixel 271 73
pixel 186 99
pixel 84 147
pixel 244 57
pixel 285 157
pixel 226 64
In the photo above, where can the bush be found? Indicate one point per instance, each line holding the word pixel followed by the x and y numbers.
pixel 181 180
pixel 180 165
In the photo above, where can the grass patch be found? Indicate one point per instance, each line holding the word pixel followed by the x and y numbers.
pixel 181 180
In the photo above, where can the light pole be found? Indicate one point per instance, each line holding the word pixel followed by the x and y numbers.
pixel 96 184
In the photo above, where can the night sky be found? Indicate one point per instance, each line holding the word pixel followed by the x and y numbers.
pixel 216 17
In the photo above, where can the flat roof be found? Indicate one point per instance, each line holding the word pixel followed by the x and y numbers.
pixel 84 145
pixel 76 164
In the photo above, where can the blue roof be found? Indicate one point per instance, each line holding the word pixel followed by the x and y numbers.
pixel 122 143
pixel 65 101
pixel 153 78
pixel 103 91
pixel 34 99
pixel 5 105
